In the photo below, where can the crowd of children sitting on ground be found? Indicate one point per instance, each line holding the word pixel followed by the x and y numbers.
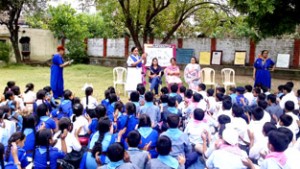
pixel 246 128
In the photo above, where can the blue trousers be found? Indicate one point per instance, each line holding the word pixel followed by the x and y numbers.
pixel 155 84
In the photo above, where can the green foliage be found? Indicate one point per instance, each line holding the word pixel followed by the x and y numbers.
pixel 5 50
pixel 38 19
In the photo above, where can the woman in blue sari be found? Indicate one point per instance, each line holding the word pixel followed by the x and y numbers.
pixel 261 72
pixel 56 79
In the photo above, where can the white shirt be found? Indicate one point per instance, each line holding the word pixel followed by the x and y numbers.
pixel 223 112
pixel 194 131
pixel 212 104
pixel 81 121
pixel 256 149
pixel 71 142
pixel 292 155
pixel 266 117
pixel 249 96
pixel 203 94
pixel 30 96
pixel 10 126
pixel 256 127
pixel 241 126
pixel 294 126
pixel 130 61
pixel 20 102
pixel 289 97
pixel 92 104
pixel 272 164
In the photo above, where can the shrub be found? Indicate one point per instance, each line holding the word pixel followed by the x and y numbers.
pixel 5 52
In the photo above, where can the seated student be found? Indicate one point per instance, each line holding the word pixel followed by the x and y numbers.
pixel 134 98
pixel 180 141
pixel 137 156
pixel 280 93
pixel 65 108
pixel 116 155
pixel 41 99
pixel 276 159
pixel 248 94
pixel 228 154
pixel 182 91
pixel 99 142
pixel 220 90
pixel 29 97
pixel 164 159
pixel 211 100
pixel 273 108
pixel 50 98
pixel 285 121
pixel 197 102
pixel 240 99
pixel 19 100
pixel 29 132
pixel 45 156
pixel 140 88
pixel 170 109
pixel 14 116
pixel 219 100
pixel 89 102
pixel 226 109
pixel 164 90
pixel 105 102
pixel 17 138
pixel 151 110
pixel 201 90
pixel 9 128
pixel 187 99
pixel 196 127
pixel 257 151
pixel 232 94
pixel 265 90
pixel 256 92
pixel 289 108
pixel 94 117
pixel 289 96
pixel 44 119
pixel 163 102
pixel 80 120
pixel 174 90
pixel 149 135
pixel 263 104
pixel 256 126
pixel 111 107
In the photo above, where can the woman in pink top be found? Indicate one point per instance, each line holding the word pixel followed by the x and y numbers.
pixel 172 73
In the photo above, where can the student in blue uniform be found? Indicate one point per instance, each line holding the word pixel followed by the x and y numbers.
pixel 137 156
pixel 164 159
pixel 134 98
pixel 43 118
pixel 116 155
pixel 46 156
pixel 240 98
pixel 149 135
pixel 105 102
pixel 163 102
pixel 65 107
pixel 98 145
pixel 95 116
pixel 151 110
pixel 14 115
pixel 174 90
pixel 170 109
pixel 41 99
pixel 29 132
pixel 18 138
pixel 140 88
pixel 111 107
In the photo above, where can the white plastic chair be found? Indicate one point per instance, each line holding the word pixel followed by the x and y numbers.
pixel 208 77
pixel 119 74
pixel 228 77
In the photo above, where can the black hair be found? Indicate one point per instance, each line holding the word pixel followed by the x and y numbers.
pixel 202 86
pixel 188 93
pixel 9 85
pixel 67 94
pixel 220 96
pixel 1 155
pixel 263 104
pixel 264 89
pixel 13 138
pixel 263 51
pixel 197 97
pixel 149 97
pixel 171 101
pixel 227 104
pixel 237 110
pixel 198 114
pixel 88 92
pixel 272 98
pixel 287 88
pixel 103 127
pixel 280 88
pixel 77 111
pixel 42 139
pixel 100 111
pixel 119 106
pixel 29 122
pixel 133 138
pixel 278 140
pixel 289 134
pixel 210 92
pixel 298 92
pixel 8 94
pixel 47 89
pixel 289 106
pixel 111 90
pixel 221 89
pixel 286 120
pixel 193 57
pixel 41 94
pixel 174 88
pixel 29 86
pixel 290 84
pixel 224 119
pixel 144 121
pixel 106 94
pixel 141 88
pixel 76 100
pixel 64 123
pixel 112 98
pixel 164 98
pixel 258 113
pixel 268 126
pixel 133 48
pixel 153 60
pixel 115 152
pixel 130 108
pixel 164 90
pixel 173 59
pixel 228 98
pixel 134 96
pixel 182 89
pixel 248 88
pixel 233 89
pixel 16 90
pixel 42 110
pixel 261 96
pixel 164 145
pixel 257 90
pixel 173 120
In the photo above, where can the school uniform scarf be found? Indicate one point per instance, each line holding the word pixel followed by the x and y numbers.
pixel 169 161
pixel 279 157
pixel 145 131
pixel 114 165
pixel 174 133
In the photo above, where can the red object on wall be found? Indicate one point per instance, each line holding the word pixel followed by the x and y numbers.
pixel 213 44
pixel 126 46
pixel 104 47
pixel 296 53
pixel 180 43
pixel 252 52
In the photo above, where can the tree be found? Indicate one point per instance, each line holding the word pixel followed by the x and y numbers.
pixel 270 17
pixel 10 12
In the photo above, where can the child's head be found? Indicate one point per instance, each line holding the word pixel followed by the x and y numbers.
pixel 42 110
pixel 268 126
pixel 112 98
pixel 182 89
pixel 198 114
pixel 227 104
pixel 89 91
pixel 257 113
pixel 18 138
pixel 240 90
pixel 133 138
pixel 261 96
pixel 44 137
pixel 77 111
pixel 289 106
pixel 65 123
pixel 264 89
pixel 201 87
pixel 174 88
pixel 219 97
pixel 278 141
pixel 134 96
pixel 47 89
pixel 149 97
pixel 210 92
pixel 290 84
pixel 106 94
pixel 144 121
pixel 164 145
pixel 111 90
pixel 197 97
pixel 101 111
pixel 164 90
pixel 115 152
pixel 287 89
pixel 40 95
pixel 280 88
pixel 16 90
pixel 248 88
pixel 130 108
pixel 173 120
pixel 188 93
pixel 285 120
pixel 256 91
pixel 289 134
pixel 171 101
pixel 29 122
pixel 298 93
pixel 68 95
pixel 9 95
pixel 141 89
pixel 119 106
pixel 104 125
pixel 232 90
pixel 271 98
pixel 220 90
pixel 262 104
pixel 164 98
pixel 28 87
pixel 224 119
pixel 10 84
pixel 237 111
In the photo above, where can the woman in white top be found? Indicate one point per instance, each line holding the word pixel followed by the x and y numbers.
pixel 80 121
pixel 89 102
pixel 29 97
pixel 192 74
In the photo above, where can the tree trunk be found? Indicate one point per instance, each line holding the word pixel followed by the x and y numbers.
pixel 14 38
pixel 171 32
